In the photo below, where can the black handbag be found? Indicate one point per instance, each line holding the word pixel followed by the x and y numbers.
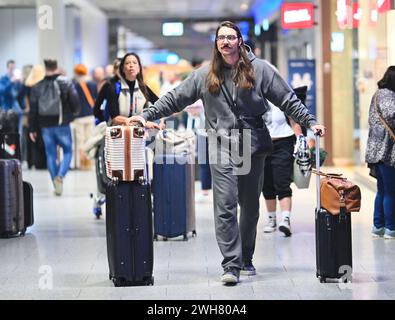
pixel 261 142
pixel 251 129
pixel 372 170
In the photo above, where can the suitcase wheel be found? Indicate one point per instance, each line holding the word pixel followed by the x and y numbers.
pixel 322 279
pixel 149 281
pixel 346 280
pixel 97 212
pixel 23 231
pixel 119 282
pixel 185 238
pixel 155 237
pixel 194 233
pixel 164 238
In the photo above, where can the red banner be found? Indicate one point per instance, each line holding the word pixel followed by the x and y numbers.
pixel 384 5
pixel 356 14
pixel 298 15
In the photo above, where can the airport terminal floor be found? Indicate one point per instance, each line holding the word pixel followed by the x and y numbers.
pixel 63 256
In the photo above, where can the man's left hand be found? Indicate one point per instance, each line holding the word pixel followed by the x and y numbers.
pixel 135 120
pixel 152 125
pixel 318 127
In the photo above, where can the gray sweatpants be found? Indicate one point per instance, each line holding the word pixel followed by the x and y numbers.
pixel 237 244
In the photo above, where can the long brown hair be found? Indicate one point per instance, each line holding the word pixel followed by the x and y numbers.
pixel 244 74
pixel 139 78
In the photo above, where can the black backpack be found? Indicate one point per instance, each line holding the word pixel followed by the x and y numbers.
pixel 50 102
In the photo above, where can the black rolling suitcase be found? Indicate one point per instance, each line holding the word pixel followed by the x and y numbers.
pixel 129 233
pixel 12 215
pixel 333 238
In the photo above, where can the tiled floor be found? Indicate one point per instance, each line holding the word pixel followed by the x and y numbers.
pixel 63 256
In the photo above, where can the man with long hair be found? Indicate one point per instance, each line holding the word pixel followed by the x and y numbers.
pixel 234 86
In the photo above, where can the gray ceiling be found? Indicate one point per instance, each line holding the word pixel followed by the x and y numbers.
pixel 172 8
pixel 200 19
pixel 145 17
pixel 157 8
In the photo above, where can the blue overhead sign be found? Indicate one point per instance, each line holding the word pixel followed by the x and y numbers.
pixel 302 73
pixel 264 9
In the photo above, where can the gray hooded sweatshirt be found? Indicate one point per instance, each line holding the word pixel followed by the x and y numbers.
pixel 251 103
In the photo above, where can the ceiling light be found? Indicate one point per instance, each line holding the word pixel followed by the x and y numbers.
pixel 244 7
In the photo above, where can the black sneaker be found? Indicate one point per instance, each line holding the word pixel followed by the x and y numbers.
pixel 248 269
pixel 230 276
pixel 285 227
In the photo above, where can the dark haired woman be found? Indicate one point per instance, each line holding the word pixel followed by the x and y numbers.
pixel 130 95
pixel 380 154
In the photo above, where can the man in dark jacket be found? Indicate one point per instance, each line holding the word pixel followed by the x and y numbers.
pixel 54 102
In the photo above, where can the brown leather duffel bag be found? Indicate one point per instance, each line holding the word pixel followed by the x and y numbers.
pixel 337 192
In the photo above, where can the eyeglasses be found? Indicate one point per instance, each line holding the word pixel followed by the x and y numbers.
pixel 229 37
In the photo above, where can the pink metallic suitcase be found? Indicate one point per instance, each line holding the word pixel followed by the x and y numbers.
pixel 125 153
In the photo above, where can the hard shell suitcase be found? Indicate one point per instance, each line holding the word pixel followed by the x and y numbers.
pixel 333 239
pixel 125 153
pixel 12 218
pixel 174 196
pixel 10 146
pixel 129 233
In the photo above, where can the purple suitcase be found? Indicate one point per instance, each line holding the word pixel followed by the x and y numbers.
pixel 12 220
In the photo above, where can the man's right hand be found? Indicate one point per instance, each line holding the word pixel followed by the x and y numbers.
pixel 33 136
pixel 152 125
pixel 135 119
pixel 139 119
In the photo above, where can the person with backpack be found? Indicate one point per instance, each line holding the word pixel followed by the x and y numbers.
pixel 54 102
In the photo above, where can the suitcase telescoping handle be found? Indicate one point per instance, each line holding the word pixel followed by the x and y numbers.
pixel 317 166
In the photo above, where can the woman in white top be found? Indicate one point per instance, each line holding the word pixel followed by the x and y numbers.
pixel 279 166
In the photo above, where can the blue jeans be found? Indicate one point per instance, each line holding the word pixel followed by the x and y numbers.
pixel 384 205
pixel 54 136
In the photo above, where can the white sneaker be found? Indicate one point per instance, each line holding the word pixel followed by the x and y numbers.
pixel 285 227
pixel 271 226
pixel 58 184
pixel 389 234
pixel 202 197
